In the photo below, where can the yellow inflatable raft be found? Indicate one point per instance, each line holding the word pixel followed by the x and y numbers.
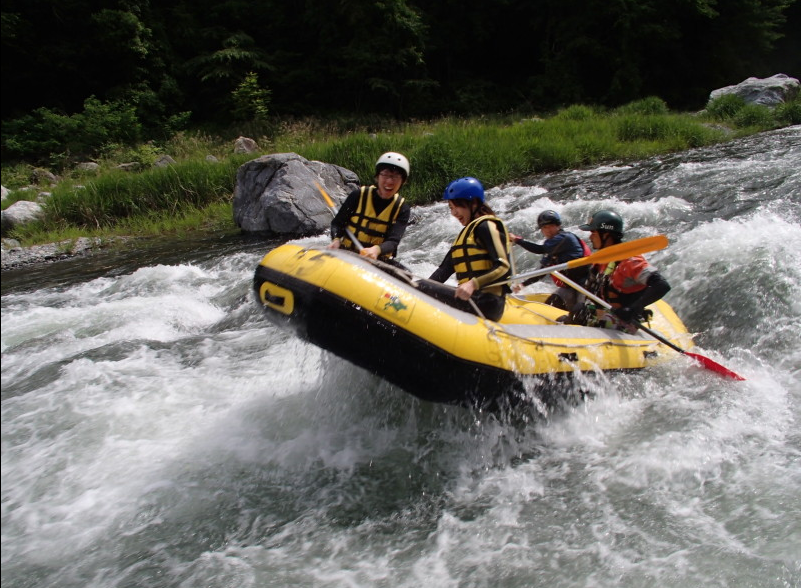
pixel 374 316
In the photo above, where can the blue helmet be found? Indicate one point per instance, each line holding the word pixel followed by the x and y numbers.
pixel 465 189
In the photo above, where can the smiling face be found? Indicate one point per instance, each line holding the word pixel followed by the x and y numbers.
pixel 461 210
pixel 389 182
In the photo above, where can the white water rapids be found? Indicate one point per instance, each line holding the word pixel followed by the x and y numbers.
pixel 158 431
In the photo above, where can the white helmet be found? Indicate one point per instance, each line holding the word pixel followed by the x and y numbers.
pixel 395 160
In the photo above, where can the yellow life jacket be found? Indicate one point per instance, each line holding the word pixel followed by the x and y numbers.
pixel 471 259
pixel 369 227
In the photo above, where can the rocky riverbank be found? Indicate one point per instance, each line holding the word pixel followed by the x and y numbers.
pixel 15 256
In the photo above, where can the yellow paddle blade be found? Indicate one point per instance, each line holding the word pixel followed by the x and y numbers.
pixel 325 195
pixel 622 251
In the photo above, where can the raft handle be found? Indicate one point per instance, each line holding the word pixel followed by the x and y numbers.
pixel 278 300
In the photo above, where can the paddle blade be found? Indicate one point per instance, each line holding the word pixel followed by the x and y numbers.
pixel 325 195
pixel 622 251
pixel 714 366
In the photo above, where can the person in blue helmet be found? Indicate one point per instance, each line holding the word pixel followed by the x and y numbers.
pixel 480 254
pixel 560 246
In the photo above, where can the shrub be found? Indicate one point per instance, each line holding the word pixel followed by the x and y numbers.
pixel 545 156
pixel 45 136
pixel 145 154
pixel 251 101
pixel 649 105
pixel 755 115
pixel 725 107
pixel 789 113
pixel 16 176
pixel 576 112
pixel 36 134
pixel 638 127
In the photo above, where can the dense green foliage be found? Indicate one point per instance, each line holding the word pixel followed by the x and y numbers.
pixel 79 74
pixel 195 192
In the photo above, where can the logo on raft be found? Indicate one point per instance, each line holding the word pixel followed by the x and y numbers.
pixel 395 309
pixel 393 302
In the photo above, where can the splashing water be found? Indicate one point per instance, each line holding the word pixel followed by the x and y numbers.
pixel 157 431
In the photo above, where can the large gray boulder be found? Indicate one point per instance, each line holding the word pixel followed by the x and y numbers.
pixel 21 212
pixel 275 195
pixel 765 91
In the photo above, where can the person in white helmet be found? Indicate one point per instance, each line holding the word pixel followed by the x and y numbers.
pixel 376 215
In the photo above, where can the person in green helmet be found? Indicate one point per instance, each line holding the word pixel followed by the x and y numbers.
pixel 628 286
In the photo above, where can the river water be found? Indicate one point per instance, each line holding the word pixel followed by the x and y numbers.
pixel 157 431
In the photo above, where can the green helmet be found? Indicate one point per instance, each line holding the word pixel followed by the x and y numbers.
pixel 604 220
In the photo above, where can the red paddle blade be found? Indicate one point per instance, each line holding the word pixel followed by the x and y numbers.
pixel 714 366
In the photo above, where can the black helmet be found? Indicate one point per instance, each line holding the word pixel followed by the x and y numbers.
pixel 604 220
pixel 548 217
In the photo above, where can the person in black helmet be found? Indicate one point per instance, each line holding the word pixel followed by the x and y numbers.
pixel 628 286
pixel 560 246
pixel 376 215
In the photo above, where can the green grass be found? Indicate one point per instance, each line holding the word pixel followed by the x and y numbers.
pixel 214 217
pixel 196 194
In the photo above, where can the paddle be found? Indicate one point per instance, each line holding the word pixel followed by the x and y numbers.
pixel 606 255
pixel 333 210
pixel 512 261
pixel 704 361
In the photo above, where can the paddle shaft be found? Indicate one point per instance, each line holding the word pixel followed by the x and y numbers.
pixel 609 254
pixel 333 209
pixel 704 361
pixel 608 306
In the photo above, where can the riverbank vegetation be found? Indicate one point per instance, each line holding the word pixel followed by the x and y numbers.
pixel 111 83
pixel 195 192
pixel 163 67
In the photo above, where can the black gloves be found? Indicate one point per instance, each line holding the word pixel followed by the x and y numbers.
pixel 656 288
pixel 627 314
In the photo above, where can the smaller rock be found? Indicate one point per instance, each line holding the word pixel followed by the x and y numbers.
pixel 90 166
pixel 245 145
pixel 765 91
pixel 21 212
pixel 42 176
pixel 164 161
